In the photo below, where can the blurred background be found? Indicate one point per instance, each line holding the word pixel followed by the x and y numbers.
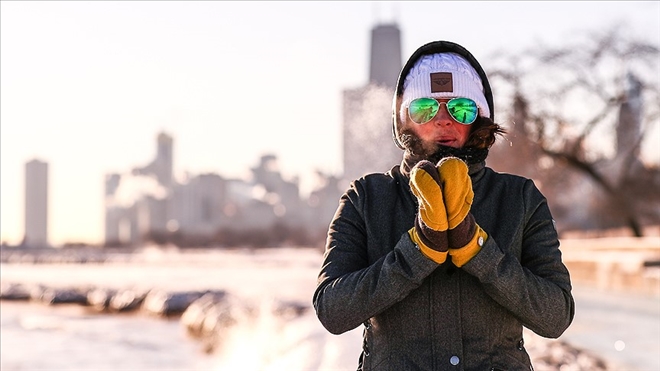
pixel 136 133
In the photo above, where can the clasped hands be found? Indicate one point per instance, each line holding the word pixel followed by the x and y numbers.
pixel 444 224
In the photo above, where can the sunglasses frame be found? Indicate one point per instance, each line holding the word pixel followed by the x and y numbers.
pixel 448 111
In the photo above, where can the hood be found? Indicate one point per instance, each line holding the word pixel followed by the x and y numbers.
pixel 433 48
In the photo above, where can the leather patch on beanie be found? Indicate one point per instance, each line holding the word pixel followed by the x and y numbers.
pixel 442 82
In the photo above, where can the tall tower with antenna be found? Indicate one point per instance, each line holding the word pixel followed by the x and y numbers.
pixel 367 111
pixel 385 62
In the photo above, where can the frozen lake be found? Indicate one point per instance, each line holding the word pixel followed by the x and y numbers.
pixel 624 328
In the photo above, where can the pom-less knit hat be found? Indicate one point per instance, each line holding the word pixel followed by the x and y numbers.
pixel 443 75
pixel 456 60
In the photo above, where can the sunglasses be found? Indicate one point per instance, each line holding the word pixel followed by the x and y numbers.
pixel 462 110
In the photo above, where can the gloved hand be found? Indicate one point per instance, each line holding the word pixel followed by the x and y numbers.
pixel 430 230
pixel 465 236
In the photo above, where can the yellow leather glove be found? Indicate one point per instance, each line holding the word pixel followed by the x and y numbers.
pixel 430 230
pixel 465 236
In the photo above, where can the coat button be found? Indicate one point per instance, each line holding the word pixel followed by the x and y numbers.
pixel 480 241
pixel 454 360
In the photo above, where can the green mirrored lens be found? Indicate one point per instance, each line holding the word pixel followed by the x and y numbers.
pixel 463 110
pixel 422 110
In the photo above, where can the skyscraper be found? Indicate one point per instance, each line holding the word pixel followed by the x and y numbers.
pixel 385 61
pixel 367 111
pixel 36 204
pixel 134 215
pixel 162 166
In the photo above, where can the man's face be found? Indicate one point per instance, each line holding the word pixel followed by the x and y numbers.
pixel 442 130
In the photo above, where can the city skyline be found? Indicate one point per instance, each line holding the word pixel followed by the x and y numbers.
pixel 209 208
pixel 87 85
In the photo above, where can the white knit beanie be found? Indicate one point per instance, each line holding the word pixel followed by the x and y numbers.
pixel 443 75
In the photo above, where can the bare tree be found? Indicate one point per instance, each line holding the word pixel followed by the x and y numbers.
pixel 587 106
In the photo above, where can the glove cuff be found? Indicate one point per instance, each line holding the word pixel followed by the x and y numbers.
pixel 437 256
pixel 463 255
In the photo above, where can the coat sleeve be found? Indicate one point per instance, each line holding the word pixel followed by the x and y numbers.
pixel 350 290
pixel 536 288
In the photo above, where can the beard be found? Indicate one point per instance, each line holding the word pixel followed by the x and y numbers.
pixel 417 150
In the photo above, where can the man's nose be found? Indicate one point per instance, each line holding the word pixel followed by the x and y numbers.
pixel 443 117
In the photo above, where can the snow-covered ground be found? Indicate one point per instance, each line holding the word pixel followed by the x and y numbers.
pixel 264 276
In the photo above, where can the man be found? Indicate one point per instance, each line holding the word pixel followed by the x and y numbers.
pixel 441 258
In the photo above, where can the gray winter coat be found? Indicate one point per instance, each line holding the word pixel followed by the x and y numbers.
pixel 419 315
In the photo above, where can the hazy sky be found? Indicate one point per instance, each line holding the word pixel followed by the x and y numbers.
pixel 87 86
